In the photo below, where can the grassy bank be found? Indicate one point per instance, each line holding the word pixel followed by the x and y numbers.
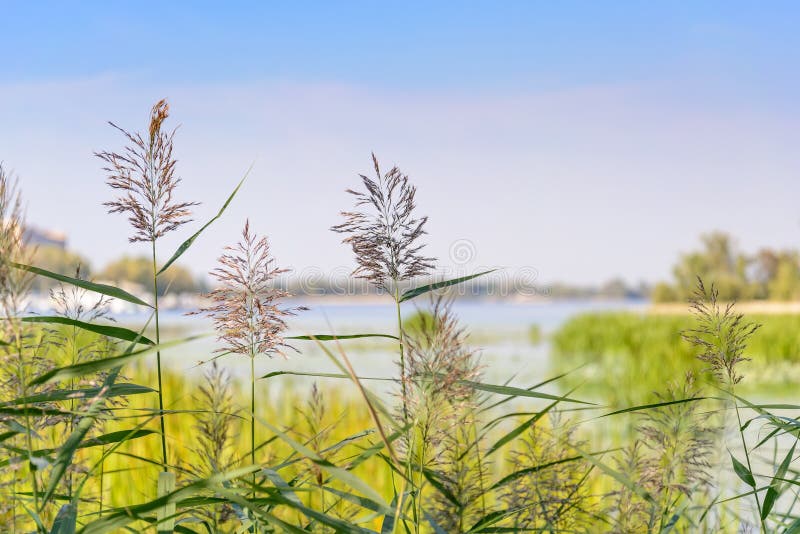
pixel 623 357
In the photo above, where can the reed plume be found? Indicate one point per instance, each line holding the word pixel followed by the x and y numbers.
pixel 555 497
pixel 441 405
pixel 628 512
pixel 385 235
pixel 215 438
pixel 20 357
pixel 679 445
pixel 77 346
pixel 144 173
pixel 246 307
pixel 721 334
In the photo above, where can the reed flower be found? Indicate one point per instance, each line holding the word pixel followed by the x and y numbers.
pixel 627 511
pixel 439 363
pixel 246 306
pixel 21 353
pixel 246 310
pixel 144 173
pixel 385 234
pixel 721 334
pixel 444 439
pixel 14 283
pixel 679 442
pixel 553 494
pixel 678 447
pixel 215 435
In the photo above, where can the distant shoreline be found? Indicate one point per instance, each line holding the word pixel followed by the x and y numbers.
pixel 764 307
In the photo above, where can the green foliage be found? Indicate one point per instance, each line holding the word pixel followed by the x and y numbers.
pixel 626 356
pixel 139 270
pixel 768 274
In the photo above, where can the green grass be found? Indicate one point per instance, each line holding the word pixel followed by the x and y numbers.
pixel 624 357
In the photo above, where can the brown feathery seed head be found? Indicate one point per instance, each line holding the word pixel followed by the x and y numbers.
pixel 144 173
pixel 385 236
pixel 246 306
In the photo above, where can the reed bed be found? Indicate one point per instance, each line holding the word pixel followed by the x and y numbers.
pixel 98 437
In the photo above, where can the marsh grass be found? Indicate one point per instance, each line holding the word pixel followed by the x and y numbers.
pixel 83 449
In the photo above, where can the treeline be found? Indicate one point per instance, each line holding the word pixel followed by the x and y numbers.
pixel 766 275
pixel 127 269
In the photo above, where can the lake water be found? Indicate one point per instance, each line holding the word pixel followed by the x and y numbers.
pixel 498 330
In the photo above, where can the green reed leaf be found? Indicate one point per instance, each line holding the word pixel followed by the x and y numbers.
pixel 118 518
pixel 337 472
pixel 323 375
pixel 116 390
pixel 103 289
pixel 651 406
pixel 519 429
pixel 519 392
pixel 616 475
pixel 188 243
pixel 67 451
pixel 417 291
pixel 84 368
pixel 116 332
pixel 66 519
pixel 742 472
pixel 774 490
pixel 334 337
pixel 533 469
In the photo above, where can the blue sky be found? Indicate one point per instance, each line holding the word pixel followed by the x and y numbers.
pixel 582 139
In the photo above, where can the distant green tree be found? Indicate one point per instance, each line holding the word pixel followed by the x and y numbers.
pixel 140 271
pixel 663 292
pixel 785 282
pixel 769 274
pixel 57 260
pixel 719 262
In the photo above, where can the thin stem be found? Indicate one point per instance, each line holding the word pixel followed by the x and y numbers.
pixel 747 459
pixel 253 426
pixel 158 364
pixel 102 480
pixel 253 416
pixel 402 352
pixel 28 436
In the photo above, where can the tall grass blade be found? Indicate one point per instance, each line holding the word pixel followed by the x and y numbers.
pixel 337 472
pixel 333 337
pixel 67 451
pixel 774 490
pixel 116 332
pixel 116 390
pixel 518 392
pixel 103 289
pixel 417 291
pixel 66 520
pixel 742 472
pixel 94 366
pixel 188 243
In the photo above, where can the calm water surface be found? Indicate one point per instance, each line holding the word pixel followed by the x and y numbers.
pixel 498 330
